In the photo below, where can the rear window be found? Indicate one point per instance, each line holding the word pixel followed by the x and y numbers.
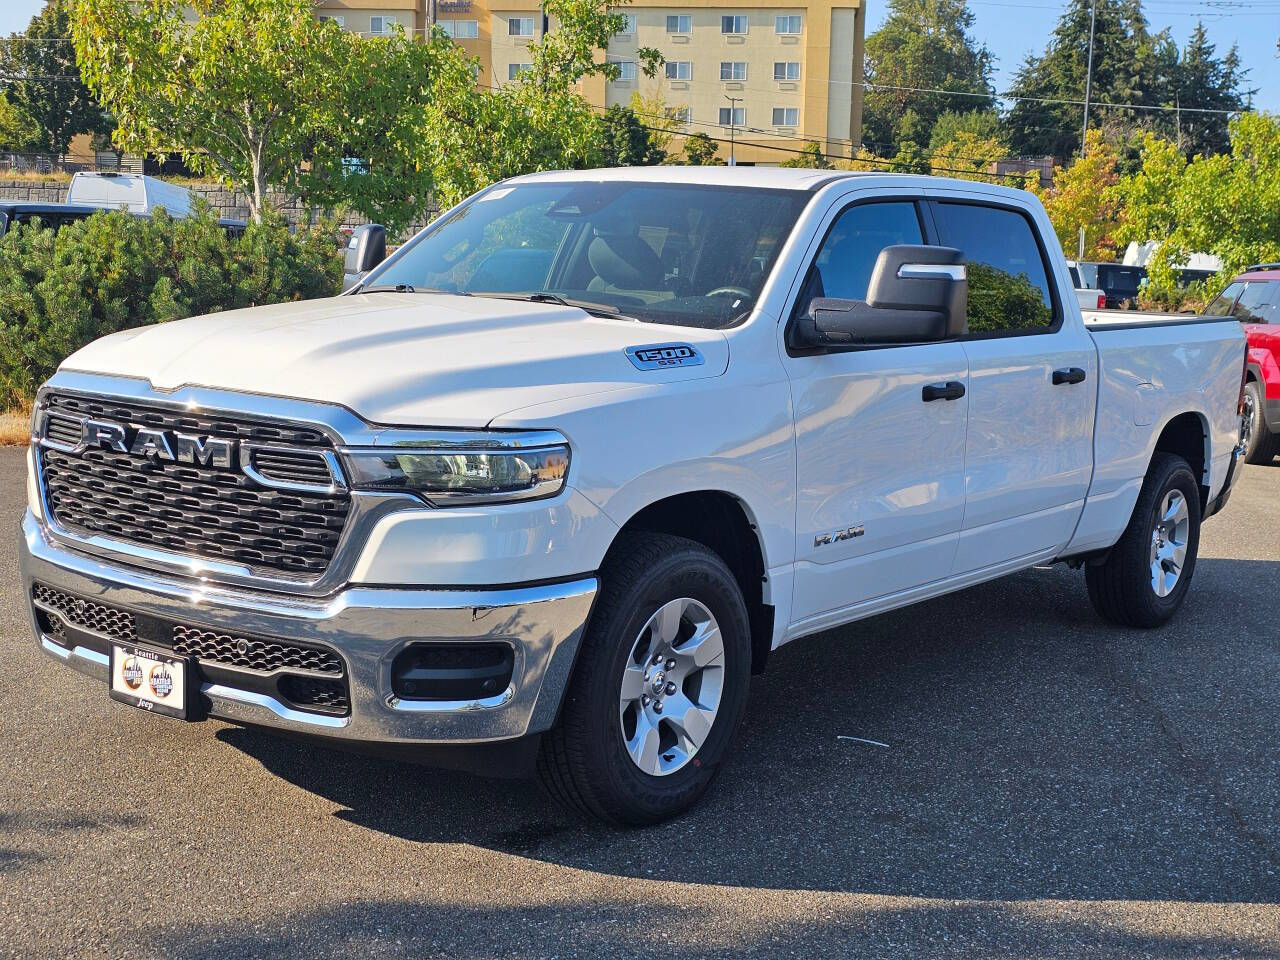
pixel 1008 281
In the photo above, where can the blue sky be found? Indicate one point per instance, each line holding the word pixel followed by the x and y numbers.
pixel 1011 30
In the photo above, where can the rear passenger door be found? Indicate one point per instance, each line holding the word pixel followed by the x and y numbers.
pixel 1032 389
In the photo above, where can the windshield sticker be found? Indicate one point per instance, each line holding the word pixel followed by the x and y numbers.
pixel 655 356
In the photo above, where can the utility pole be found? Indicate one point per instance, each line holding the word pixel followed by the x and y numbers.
pixel 1088 78
pixel 733 106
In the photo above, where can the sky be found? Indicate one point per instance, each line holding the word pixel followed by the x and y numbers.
pixel 1011 30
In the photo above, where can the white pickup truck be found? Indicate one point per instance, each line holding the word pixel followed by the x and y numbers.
pixel 548 486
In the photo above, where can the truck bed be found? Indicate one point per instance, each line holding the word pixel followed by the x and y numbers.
pixel 1153 368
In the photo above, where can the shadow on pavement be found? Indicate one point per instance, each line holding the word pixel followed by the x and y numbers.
pixel 1032 753
pixel 625 929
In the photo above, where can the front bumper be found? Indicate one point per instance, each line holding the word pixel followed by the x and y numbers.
pixel 365 626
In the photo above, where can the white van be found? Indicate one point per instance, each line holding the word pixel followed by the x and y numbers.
pixel 131 191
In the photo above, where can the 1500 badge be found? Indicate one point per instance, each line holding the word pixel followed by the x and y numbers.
pixel 655 356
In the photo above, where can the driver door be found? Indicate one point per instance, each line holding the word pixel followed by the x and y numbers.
pixel 880 469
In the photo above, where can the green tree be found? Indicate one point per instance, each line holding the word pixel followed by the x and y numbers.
pixel 1146 198
pixel 477 135
pixel 627 141
pixel 810 157
pixel 968 156
pixel 923 44
pixel 250 89
pixel 16 128
pixel 1224 204
pixel 701 151
pixel 950 126
pixel 41 82
pixel 1207 82
pixel 1083 196
pixel 1125 70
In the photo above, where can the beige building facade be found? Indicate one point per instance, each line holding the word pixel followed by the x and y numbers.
pixel 767 77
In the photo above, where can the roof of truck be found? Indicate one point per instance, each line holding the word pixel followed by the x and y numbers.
pixel 778 178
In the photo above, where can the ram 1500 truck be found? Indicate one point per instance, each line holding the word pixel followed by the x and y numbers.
pixel 550 483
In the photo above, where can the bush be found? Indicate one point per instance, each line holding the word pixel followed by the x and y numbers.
pixel 59 291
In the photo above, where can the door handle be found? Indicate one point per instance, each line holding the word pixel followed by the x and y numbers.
pixel 951 390
pixel 1070 375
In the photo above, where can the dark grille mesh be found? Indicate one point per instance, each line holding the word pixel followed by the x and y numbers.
pixel 193 509
pixel 251 654
pixel 114 623
pixel 316 693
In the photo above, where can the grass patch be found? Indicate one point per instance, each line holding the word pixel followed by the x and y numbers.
pixel 15 428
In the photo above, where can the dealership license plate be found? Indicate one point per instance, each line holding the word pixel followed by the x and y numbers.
pixel 150 679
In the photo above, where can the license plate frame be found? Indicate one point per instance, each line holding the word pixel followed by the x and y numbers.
pixel 157 681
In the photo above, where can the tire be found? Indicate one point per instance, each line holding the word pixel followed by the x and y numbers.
pixel 1124 587
pixel 584 761
pixel 1263 444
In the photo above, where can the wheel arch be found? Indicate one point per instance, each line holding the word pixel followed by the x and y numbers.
pixel 1187 435
pixel 724 524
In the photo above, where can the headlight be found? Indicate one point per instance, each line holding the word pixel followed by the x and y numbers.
pixel 461 477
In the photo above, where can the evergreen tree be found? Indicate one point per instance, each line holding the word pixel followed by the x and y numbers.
pixel 627 141
pixel 1209 83
pixel 923 45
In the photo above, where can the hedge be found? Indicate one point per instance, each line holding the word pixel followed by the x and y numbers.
pixel 60 290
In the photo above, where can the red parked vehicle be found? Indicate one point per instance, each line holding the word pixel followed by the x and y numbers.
pixel 1253 298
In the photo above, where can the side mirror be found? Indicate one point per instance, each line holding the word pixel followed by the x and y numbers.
pixel 917 294
pixel 365 250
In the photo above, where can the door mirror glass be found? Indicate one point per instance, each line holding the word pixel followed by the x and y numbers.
pixel 917 294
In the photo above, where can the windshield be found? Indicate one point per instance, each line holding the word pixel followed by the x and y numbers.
pixel 688 255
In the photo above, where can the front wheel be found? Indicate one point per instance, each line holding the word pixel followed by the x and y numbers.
pixel 1145 578
pixel 1260 444
pixel 659 688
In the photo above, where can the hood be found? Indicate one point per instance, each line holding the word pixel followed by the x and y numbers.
pixel 429 360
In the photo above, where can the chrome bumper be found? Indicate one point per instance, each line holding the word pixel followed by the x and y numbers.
pixel 366 626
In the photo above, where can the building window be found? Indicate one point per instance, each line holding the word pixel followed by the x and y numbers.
pixel 626 71
pixel 676 114
pixel 788 26
pixel 786 116
pixel 736 116
pixel 461 29
pixel 380 26
pixel 340 21
pixel 520 26
pixel 733 69
pixel 515 69
pixel 629 26
pixel 680 23
pixel 679 69
pixel 786 70
pixel 733 23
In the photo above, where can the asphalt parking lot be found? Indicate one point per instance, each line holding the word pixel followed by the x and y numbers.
pixel 1048 787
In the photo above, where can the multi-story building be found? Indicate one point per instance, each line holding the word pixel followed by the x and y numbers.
pixel 767 77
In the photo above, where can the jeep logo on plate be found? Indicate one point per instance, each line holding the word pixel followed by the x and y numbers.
pixel 658 355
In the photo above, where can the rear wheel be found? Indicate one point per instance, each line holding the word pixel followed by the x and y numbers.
pixel 1145 578
pixel 1260 444
pixel 659 688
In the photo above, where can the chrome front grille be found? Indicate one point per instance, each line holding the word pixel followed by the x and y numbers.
pixel 276 514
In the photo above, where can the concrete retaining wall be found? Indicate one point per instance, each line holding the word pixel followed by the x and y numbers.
pixel 228 203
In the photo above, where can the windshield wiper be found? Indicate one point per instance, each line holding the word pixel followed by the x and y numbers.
pixel 590 306
pixel 389 288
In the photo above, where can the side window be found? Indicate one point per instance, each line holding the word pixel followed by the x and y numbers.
pixel 1257 303
pixel 1226 300
pixel 842 268
pixel 1008 281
